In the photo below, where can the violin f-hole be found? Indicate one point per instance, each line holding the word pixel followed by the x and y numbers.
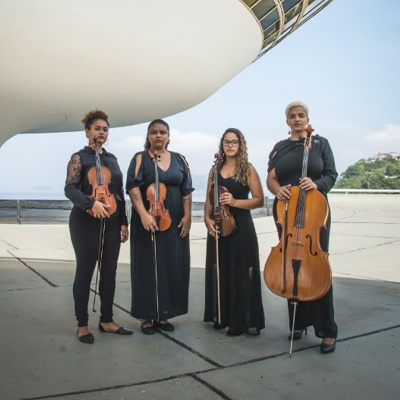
pixel 313 253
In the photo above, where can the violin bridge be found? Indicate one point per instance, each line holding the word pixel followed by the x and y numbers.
pixel 300 244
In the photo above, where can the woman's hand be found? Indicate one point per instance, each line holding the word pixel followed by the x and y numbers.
pixel 210 225
pixel 307 184
pixel 100 210
pixel 226 199
pixel 185 225
pixel 124 233
pixel 283 193
pixel 148 222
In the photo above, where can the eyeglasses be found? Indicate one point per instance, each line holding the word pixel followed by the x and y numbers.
pixel 232 142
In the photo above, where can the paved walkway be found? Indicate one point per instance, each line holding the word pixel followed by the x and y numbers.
pixel 41 357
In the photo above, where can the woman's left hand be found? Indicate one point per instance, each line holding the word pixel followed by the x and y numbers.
pixel 185 224
pixel 307 184
pixel 124 233
pixel 226 199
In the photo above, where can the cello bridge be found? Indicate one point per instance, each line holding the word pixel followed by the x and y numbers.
pixel 300 244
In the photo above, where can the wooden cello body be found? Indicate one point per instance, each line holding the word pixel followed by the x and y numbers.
pixel 298 268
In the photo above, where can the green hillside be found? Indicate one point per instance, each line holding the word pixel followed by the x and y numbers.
pixel 374 173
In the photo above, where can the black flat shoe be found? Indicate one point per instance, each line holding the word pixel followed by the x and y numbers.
pixel 219 326
pixel 232 332
pixel 147 330
pixel 252 332
pixel 165 326
pixel 328 348
pixel 121 330
pixel 88 338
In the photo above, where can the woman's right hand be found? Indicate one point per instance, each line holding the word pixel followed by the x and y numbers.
pixel 284 192
pixel 99 210
pixel 210 225
pixel 148 222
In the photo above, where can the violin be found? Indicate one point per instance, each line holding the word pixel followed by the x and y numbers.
pixel 156 194
pixel 99 178
pixel 298 268
pixel 224 220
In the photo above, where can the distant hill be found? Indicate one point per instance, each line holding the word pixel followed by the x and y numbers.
pixel 373 173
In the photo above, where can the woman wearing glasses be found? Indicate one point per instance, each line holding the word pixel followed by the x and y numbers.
pixel 233 289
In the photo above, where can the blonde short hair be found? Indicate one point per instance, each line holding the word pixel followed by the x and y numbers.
pixel 296 104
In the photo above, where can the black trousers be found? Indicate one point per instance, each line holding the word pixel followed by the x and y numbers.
pixel 85 235
pixel 318 313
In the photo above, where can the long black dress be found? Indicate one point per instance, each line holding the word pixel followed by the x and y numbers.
pixel 173 253
pixel 239 270
pixel 287 157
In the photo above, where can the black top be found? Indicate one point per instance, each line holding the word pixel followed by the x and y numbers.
pixel 77 186
pixel 239 270
pixel 171 296
pixel 287 159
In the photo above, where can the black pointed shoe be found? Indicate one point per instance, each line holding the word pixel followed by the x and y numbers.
pixel 88 338
pixel 328 348
pixel 120 331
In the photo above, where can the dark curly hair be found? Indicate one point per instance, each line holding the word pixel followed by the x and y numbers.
pixel 93 116
pixel 242 162
pixel 147 144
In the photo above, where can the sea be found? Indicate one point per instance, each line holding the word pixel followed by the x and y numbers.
pixel 55 208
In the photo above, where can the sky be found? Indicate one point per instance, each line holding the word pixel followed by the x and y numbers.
pixel 344 64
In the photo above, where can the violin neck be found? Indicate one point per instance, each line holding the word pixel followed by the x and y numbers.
pixel 216 194
pixel 156 181
pixel 100 180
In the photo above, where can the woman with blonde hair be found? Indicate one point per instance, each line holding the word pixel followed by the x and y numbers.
pixel 285 171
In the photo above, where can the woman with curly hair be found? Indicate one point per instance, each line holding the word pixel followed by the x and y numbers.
pixel 240 302
pixel 85 221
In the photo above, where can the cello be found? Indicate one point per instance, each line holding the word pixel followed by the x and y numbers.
pixel 298 268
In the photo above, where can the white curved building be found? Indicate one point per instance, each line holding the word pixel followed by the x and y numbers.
pixel 135 59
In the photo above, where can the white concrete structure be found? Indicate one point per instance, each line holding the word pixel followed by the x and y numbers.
pixel 135 59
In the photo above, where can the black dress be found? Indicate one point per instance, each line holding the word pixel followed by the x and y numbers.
pixel 239 270
pixel 287 157
pixel 173 253
pixel 85 232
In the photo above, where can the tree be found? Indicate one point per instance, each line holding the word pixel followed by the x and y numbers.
pixel 372 173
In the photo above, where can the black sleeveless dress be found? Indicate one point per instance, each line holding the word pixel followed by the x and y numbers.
pixel 239 267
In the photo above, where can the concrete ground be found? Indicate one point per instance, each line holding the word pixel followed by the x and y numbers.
pixel 41 357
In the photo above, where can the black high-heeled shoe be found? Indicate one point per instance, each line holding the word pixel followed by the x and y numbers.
pixel 297 334
pixel 328 348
